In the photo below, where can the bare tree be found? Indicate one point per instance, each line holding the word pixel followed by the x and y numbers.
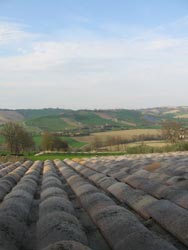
pixel 171 130
pixel 17 138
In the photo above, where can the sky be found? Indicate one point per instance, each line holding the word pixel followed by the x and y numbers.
pixel 93 54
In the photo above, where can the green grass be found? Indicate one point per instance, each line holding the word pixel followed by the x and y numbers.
pixel 127 115
pixel 63 156
pixel 37 139
pixel 49 123
pixel 71 142
pixel 36 113
pixel 88 118
pixel 2 140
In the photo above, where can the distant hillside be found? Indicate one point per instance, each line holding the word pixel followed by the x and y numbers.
pixel 36 113
pixel 88 121
pixel 10 115
pixel 168 112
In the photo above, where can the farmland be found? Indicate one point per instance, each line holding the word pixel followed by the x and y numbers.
pixel 82 128
pixel 73 142
pixel 99 203
pixel 90 121
pixel 130 133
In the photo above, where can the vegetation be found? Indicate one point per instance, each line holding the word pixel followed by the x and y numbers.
pixel 72 142
pixel 104 130
pixel 144 149
pixel 62 156
pixel 48 123
pixel 88 118
pixel 127 115
pixel 36 113
pixel 50 141
pixel 17 138
pixel 172 131
pixel 70 122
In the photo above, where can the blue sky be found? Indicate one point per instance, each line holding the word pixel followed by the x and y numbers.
pixel 93 54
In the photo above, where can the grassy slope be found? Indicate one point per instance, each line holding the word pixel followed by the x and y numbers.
pixel 58 119
pixel 88 118
pixel 49 123
pixel 55 119
pixel 36 113
pixel 126 115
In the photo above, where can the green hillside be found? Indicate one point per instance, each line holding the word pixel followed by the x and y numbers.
pixel 90 121
pixel 131 116
pixel 88 118
pixel 50 123
pixel 37 113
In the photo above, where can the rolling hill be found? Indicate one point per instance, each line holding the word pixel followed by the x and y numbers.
pixel 89 121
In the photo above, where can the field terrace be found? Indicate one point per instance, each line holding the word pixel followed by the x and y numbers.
pixel 121 203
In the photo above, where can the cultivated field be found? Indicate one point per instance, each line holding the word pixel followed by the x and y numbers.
pixel 123 147
pixel 125 202
pixel 123 133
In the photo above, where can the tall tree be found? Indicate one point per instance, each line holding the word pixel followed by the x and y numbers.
pixel 17 138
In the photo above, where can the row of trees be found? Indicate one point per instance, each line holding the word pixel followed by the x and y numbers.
pixel 19 140
pixel 99 142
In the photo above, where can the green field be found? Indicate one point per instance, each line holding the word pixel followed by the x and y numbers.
pixel 2 140
pixel 36 113
pixel 49 123
pixel 88 118
pixel 62 156
pixel 73 143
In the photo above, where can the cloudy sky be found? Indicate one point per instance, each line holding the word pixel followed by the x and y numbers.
pixel 93 53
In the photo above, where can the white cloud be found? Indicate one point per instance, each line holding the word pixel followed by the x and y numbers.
pixel 11 32
pixel 115 72
pixel 46 55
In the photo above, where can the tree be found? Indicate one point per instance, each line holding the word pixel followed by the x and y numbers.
pixel 47 140
pixel 53 142
pixel 171 130
pixel 17 138
pixel 59 144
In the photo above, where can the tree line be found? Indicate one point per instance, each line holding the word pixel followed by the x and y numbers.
pixel 18 140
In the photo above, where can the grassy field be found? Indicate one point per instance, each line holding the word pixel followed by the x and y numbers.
pixel 49 123
pixel 123 133
pixel 62 156
pixel 2 140
pixel 71 141
pixel 88 118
